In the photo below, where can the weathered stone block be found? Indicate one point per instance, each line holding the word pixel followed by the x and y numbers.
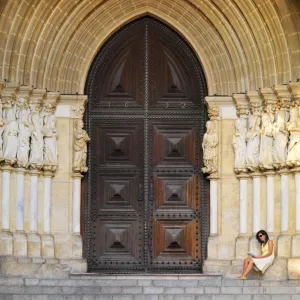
pixel 231 290
pixel 284 245
pixel 153 290
pixel 6 244
pixel 212 290
pixel 174 290
pixel 111 290
pixel 34 244
pixel 132 290
pixel 194 290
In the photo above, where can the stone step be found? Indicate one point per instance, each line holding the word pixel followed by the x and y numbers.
pixel 147 287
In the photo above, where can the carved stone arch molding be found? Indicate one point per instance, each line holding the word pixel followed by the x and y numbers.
pixel 146 200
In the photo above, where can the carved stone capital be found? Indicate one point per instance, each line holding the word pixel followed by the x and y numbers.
pixel 76 112
pixel 269 100
pixel 284 97
pixel 242 105
pixel 35 172
pixel 51 168
pixel 255 101
pixel 213 113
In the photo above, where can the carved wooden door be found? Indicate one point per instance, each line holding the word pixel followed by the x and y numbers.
pixel 146 206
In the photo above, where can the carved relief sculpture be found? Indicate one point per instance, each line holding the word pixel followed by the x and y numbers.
pixel 253 137
pixel 267 140
pixel 50 136
pixel 24 132
pixel 80 147
pixel 209 144
pixel 281 136
pixel 293 151
pixel 10 131
pixel 37 138
pixel 239 145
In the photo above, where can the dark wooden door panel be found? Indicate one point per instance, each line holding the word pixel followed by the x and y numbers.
pixel 145 207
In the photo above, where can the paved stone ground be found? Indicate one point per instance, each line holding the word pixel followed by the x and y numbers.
pixel 147 287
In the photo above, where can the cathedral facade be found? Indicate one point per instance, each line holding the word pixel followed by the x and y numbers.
pixel 148 136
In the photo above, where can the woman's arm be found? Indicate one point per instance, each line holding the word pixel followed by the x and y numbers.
pixel 271 245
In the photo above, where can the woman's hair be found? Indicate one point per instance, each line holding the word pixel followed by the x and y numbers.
pixel 263 233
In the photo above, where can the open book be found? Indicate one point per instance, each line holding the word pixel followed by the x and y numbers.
pixel 250 253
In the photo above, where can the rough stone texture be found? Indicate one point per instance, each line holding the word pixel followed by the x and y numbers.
pixel 94 288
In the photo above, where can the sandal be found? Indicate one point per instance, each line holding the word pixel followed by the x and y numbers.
pixel 241 278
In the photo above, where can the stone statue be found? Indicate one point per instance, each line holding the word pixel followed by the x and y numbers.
pixel 24 132
pixel 37 138
pixel 267 141
pixel 50 135
pixel 80 148
pixel 293 150
pixel 209 144
pixel 10 132
pixel 253 142
pixel 281 135
pixel 239 145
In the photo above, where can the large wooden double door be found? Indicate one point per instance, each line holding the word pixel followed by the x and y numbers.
pixel 146 205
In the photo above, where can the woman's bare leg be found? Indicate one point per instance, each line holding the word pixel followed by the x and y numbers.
pixel 249 268
pixel 246 262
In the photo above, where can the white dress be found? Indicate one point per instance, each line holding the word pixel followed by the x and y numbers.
pixel 262 264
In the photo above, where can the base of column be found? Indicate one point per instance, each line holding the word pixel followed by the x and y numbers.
pixel 241 247
pixel 284 246
pixel 215 266
pixel 33 268
pixel 293 268
pixel 212 247
pixel 47 246
pixel 34 245
pixel 6 244
pixel 296 245
pixel 20 243
pixel 254 245
pixel 77 246
pixel 75 265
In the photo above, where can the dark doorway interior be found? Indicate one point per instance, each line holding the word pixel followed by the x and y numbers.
pixel 146 204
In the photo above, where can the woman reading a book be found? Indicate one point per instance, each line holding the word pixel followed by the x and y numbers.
pixel 262 262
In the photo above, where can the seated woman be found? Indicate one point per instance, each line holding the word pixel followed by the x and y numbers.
pixel 260 263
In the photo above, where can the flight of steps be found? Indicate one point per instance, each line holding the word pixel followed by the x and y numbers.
pixel 147 287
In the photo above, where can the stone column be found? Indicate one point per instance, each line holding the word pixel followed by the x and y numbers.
pixel 76 239
pixel 256 208
pixel 213 204
pixel 295 163
pixel 47 238
pixel 284 240
pixel 34 239
pixel 20 237
pixel 270 201
pixel 5 234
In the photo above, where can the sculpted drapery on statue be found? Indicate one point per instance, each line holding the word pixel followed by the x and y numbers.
pixel 267 140
pixel 10 131
pixel 24 131
pixel 37 138
pixel 209 144
pixel 80 147
pixel 50 135
pixel 239 145
pixel 280 133
pixel 239 139
pixel 253 133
